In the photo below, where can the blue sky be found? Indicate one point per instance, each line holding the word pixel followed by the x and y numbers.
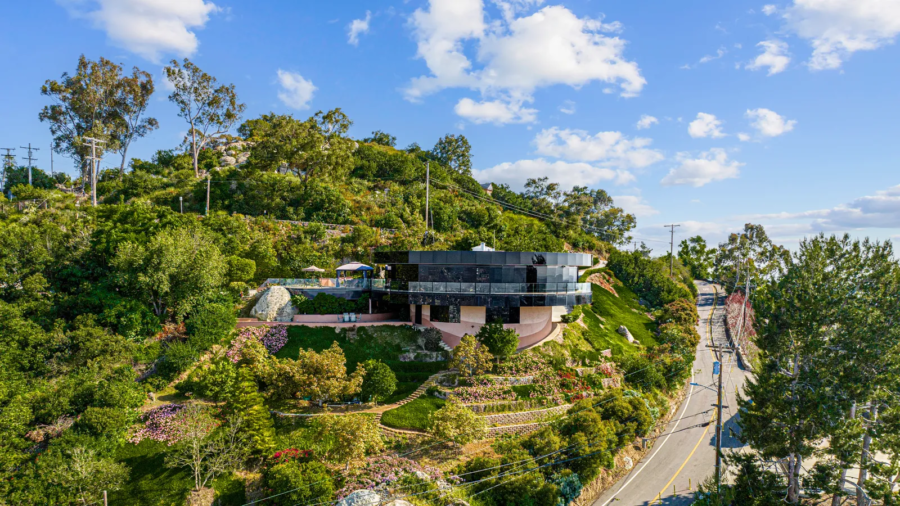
pixel 782 114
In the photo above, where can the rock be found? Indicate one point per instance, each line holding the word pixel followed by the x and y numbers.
pixel 399 502
pixel 227 161
pixel 243 157
pixel 202 497
pixel 623 331
pixel 628 462
pixel 274 306
pixel 361 498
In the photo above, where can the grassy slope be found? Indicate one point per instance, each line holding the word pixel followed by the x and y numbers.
pixel 413 415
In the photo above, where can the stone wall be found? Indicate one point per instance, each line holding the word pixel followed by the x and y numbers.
pixel 523 417
pixel 515 429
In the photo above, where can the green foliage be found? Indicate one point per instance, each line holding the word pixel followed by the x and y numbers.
pixel 295 483
pixel 104 421
pixel 324 303
pixel 240 269
pixel 178 357
pixel 246 403
pixel 456 423
pixel 18 176
pixel 454 151
pixel 699 259
pixel 379 381
pixel 647 277
pixel 500 341
pixel 432 339
pixel 210 325
pixel 382 138
pixel 414 414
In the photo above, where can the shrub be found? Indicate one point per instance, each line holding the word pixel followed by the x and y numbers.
pixel 501 342
pixel 304 483
pixel 432 339
pixel 324 303
pixel 178 357
pixel 379 380
pixel 210 325
pixel 103 421
pixel 240 269
pixel 456 423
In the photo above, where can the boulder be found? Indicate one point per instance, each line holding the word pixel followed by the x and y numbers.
pixel 399 502
pixel 243 157
pixel 274 306
pixel 361 498
pixel 624 332
pixel 628 462
pixel 227 161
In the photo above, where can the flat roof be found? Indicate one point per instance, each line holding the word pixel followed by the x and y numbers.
pixel 484 258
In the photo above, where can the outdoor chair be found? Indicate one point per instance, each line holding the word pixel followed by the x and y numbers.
pixel 346 317
pixel 353 317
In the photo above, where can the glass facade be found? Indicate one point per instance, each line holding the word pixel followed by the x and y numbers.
pixel 500 281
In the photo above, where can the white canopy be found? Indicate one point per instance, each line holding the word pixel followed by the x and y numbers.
pixel 312 268
pixel 354 266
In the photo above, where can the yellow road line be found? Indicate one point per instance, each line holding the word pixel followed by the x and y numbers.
pixel 711 418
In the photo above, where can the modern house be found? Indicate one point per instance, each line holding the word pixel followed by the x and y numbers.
pixel 459 291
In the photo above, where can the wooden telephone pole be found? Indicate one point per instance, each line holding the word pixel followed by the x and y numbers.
pixel 95 166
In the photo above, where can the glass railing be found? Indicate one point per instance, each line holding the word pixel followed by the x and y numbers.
pixel 319 283
pixel 482 288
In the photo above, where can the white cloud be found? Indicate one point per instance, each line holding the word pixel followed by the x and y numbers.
pixel 149 28
pixel 635 204
pixel 774 56
pixel 712 165
pixel 517 55
pixel 743 137
pixel 567 107
pixel 646 121
pixel 358 27
pixel 296 92
pixel 881 210
pixel 609 149
pixel 838 28
pixel 565 173
pixel 769 9
pixel 719 53
pixel 706 125
pixel 494 111
pixel 769 123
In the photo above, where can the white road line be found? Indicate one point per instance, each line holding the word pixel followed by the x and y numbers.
pixel 658 448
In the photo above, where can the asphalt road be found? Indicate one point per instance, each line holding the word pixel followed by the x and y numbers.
pixel 685 453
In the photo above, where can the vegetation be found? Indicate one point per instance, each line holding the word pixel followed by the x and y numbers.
pixel 456 423
pixel 414 414
pixel 470 357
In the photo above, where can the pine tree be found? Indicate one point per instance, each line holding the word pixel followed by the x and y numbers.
pixel 246 402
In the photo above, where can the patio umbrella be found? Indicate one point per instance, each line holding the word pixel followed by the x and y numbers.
pixel 312 268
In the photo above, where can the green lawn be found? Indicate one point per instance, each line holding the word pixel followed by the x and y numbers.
pixel 383 343
pixel 404 390
pixel 614 311
pixel 413 415
pixel 151 483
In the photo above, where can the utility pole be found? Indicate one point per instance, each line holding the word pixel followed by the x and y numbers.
pixel 9 162
pixel 208 179
pixel 719 428
pixel 51 160
pixel 30 159
pixel 427 184
pixel 181 204
pixel 672 250
pixel 105 499
pixel 94 159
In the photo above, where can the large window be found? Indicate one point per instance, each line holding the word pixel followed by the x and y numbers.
pixel 445 314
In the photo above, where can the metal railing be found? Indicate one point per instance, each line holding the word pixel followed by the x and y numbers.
pixel 320 283
pixel 480 288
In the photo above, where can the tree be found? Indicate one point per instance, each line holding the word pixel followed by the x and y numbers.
pixel 314 148
pixel 210 324
pixel 87 474
pixel 173 272
pixel 470 357
pixel 456 423
pixel 382 138
pixel 206 451
pixel 246 404
pixel 320 376
pixel 86 105
pixel 694 254
pixel 750 255
pixel 347 438
pixel 216 380
pixel 131 102
pixel 454 151
pixel 500 341
pixel 379 380
pixel 301 483
pixel 209 109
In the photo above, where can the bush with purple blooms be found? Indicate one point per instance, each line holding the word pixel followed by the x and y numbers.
pixel 273 338
pixel 160 424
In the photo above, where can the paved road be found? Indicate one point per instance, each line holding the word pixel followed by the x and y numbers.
pixel 685 454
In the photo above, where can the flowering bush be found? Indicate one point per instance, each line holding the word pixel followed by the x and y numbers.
pixel 608 368
pixel 739 313
pixel 160 424
pixel 290 455
pixel 483 390
pixel 273 338
pixel 524 364
pixel 379 472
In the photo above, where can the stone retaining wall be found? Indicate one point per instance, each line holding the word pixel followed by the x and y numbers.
pixel 525 416
pixel 515 429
